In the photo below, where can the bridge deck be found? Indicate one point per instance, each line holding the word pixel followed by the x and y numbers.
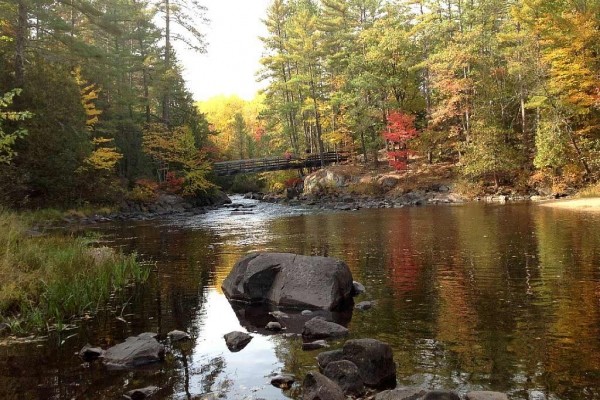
pixel 224 168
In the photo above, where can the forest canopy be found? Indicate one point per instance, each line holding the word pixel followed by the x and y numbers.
pixel 507 91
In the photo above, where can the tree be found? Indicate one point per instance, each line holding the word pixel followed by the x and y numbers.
pixel 399 131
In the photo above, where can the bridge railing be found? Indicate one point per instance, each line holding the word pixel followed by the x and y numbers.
pixel 276 163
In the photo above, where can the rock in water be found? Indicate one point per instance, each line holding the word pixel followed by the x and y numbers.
pixel 401 394
pixel 374 360
pixel 364 305
pixel 319 387
pixel 283 381
pixel 290 280
pixel 347 376
pixel 318 328
pixel 89 353
pixel 484 395
pixel 323 359
pixel 136 351
pixel 176 336
pixel 441 395
pixel 236 341
pixel 141 394
pixel 317 344
pixel 274 326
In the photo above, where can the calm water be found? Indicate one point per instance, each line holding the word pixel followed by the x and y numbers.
pixel 502 298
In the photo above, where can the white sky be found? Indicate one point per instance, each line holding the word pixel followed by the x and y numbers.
pixel 232 60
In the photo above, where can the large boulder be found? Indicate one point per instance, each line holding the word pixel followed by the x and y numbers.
pixel 374 360
pixel 136 351
pixel 318 387
pixel 290 280
pixel 325 180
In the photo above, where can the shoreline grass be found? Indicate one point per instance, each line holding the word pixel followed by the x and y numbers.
pixel 48 280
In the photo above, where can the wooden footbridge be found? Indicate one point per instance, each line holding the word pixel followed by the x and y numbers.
pixel 248 166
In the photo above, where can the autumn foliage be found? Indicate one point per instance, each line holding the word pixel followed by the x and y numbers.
pixel 400 129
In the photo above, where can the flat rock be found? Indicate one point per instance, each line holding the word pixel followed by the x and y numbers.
pixel 486 395
pixel 318 328
pixel 401 394
pixel 318 387
pixel 273 326
pixel 374 360
pixel 346 375
pixel 317 344
pixel 441 395
pixel 290 280
pixel 176 335
pixel 236 341
pixel 284 381
pixel 136 351
pixel 89 353
pixel 306 312
pixel 323 359
pixel 141 394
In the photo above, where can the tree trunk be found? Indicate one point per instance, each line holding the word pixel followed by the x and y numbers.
pixel 167 98
pixel 20 43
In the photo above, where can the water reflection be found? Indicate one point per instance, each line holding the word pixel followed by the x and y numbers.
pixel 474 297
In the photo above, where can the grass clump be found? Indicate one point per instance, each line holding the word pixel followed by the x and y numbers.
pixel 48 279
pixel 589 191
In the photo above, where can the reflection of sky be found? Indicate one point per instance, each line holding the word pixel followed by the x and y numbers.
pixel 252 228
pixel 246 374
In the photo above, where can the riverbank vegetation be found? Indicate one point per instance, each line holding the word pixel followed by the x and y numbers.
pixel 48 279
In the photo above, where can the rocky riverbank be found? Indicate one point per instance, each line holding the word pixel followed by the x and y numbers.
pixel 343 189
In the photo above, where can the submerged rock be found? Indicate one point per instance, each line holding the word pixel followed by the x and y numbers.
pixel 176 335
pixel 136 351
pixel 318 328
pixel 317 344
pixel 236 341
pixel 401 394
pixel 141 394
pixel 485 395
pixel 89 353
pixel 319 387
pixel 290 280
pixel 346 375
pixel 284 381
pixel 441 395
pixel 364 305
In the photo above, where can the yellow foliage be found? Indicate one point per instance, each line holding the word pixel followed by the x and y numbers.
pixel 89 93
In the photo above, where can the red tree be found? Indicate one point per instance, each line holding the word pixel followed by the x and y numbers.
pixel 399 130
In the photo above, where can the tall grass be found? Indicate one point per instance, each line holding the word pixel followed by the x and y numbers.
pixel 49 279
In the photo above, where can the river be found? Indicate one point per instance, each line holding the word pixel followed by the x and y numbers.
pixel 471 297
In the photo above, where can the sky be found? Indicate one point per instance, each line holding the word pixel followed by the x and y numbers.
pixel 234 50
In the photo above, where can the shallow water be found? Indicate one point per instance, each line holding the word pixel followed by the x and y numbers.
pixel 473 297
